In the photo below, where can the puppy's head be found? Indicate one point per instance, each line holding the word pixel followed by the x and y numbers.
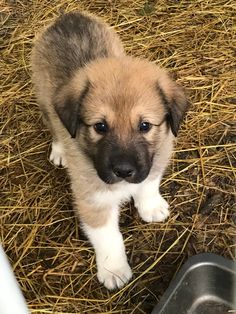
pixel 121 111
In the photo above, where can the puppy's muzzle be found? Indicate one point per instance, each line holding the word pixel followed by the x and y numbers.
pixel 115 163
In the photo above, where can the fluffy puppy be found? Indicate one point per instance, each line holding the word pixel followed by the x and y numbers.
pixel 113 119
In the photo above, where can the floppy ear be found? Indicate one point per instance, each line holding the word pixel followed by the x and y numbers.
pixel 67 108
pixel 175 103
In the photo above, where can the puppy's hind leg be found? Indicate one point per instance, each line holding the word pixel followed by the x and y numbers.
pixel 113 269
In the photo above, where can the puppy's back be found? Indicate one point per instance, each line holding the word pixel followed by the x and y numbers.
pixel 74 40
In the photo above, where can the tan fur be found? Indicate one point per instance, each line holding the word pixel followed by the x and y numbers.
pixel 88 212
pixel 125 96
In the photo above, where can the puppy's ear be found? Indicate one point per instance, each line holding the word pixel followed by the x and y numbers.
pixel 68 106
pixel 175 102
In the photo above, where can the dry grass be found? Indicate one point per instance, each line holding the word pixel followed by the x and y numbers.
pixel 195 40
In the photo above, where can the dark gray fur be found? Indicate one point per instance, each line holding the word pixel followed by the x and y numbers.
pixel 70 43
pixel 68 111
pixel 175 110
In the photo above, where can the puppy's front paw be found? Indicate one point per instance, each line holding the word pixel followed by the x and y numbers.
pixel 114 275
pixel 57 155
pixel 154 209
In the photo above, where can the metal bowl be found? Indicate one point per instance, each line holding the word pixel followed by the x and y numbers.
pixel 206 284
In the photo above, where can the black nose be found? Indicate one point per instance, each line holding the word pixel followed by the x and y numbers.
pixel 123 170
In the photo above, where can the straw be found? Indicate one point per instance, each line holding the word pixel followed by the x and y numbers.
pixel 53 262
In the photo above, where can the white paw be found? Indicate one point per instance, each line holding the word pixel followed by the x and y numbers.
pixel 154 209
pixel 114 275
pixel 57 155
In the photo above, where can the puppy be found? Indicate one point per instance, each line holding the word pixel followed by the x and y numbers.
pixel 113 119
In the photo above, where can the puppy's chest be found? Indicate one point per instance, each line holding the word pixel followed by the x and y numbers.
pixel 115 197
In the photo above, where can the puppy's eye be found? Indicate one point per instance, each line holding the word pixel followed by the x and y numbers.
pixel 101 127
pixel 144 127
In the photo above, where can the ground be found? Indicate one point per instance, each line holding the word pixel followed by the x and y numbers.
pixel 52 260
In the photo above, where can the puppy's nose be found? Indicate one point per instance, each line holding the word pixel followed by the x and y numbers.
pixel 124 170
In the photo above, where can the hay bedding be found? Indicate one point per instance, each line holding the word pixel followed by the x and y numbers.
pixel 52 260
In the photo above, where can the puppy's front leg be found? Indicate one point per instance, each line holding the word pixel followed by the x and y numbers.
pixel 103 232
pixel 57 155
pixel 152 207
